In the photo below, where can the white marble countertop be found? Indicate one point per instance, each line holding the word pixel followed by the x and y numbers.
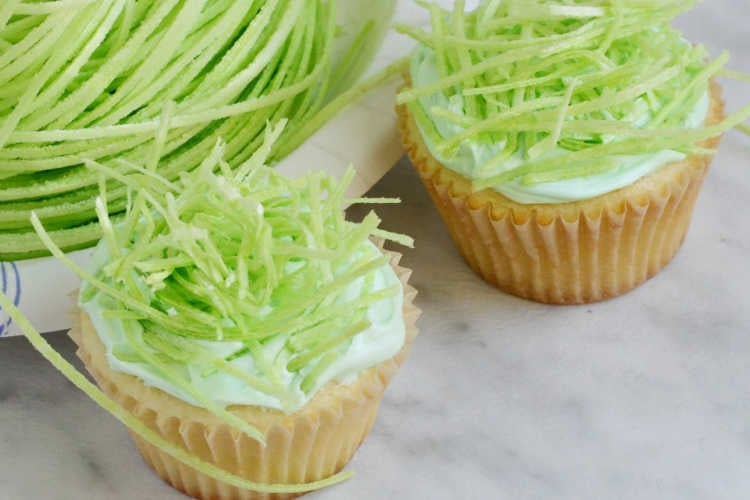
pixel 644 396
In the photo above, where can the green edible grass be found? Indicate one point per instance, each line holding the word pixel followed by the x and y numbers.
pixel 93 81
pixel 565 85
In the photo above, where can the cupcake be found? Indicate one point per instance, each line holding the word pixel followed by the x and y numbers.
pixel 564 146
pixel 242 319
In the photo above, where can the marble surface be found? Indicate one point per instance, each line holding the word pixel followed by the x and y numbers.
pixel 645 396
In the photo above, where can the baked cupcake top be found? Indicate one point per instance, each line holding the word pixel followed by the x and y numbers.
pixel 550 103
pixel 242 287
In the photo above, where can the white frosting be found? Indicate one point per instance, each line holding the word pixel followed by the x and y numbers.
pixel 381 341
pixel 472 155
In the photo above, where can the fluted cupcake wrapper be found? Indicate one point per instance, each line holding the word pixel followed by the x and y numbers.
pixel 309 445
pixel 568 253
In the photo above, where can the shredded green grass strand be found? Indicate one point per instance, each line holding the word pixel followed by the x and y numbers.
pixel 583 79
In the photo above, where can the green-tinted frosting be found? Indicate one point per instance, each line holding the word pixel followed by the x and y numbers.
pixel 381 341
pixel 472 154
